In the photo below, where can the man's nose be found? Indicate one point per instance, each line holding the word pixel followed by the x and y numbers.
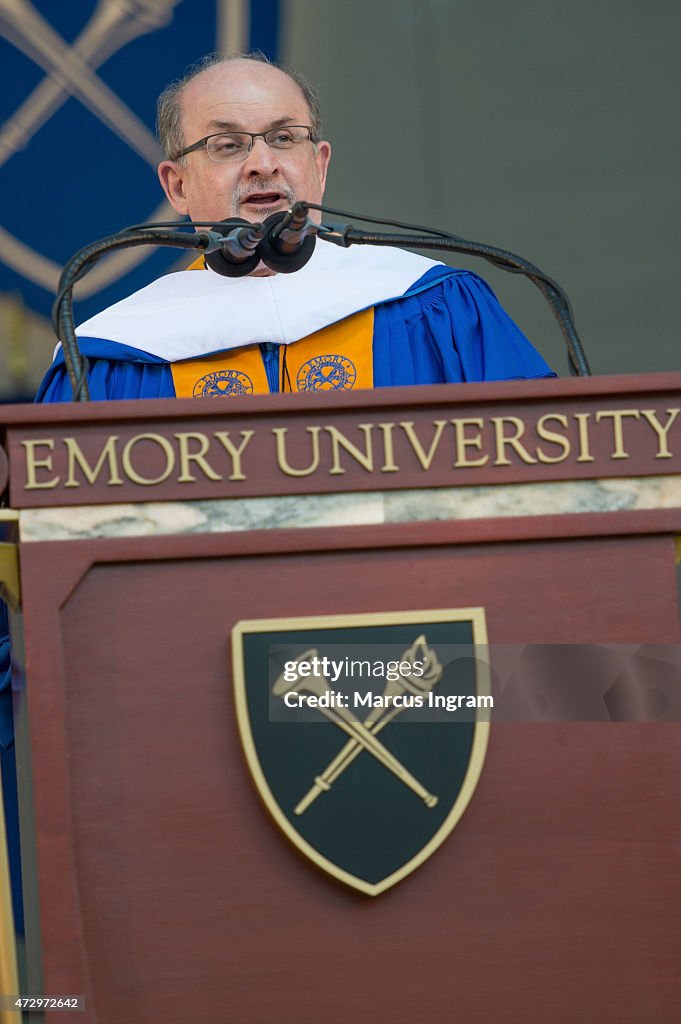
pixel 261 160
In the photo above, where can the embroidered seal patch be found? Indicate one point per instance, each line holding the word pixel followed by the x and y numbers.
pixel 223 383
pixel 327 373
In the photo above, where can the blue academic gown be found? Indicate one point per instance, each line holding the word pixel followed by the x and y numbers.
pixel 447 328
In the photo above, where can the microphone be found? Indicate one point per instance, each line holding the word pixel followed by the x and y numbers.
pixel 289 239
pixel 237 254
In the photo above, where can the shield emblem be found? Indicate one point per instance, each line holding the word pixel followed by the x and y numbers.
pixel 365 735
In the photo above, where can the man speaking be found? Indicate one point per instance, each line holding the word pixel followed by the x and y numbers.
pixel 242 139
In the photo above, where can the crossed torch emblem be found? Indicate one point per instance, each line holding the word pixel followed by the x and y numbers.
pixel 363 734
pixel 72 71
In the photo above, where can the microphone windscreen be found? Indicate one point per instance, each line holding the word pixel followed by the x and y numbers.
pixel 280 262
pixel 221 262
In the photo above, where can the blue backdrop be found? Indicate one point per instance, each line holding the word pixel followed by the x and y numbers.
pixel 77 153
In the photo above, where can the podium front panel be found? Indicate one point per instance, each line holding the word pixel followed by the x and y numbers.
pixel 167 893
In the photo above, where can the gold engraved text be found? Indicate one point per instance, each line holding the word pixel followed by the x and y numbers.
pixel 617 416
pixel 503 440
pixel 340 441
pixel 166 448
pixel 651 417
pixel 463 442
pixel 236 453
pixel 33 463
pixel 553 438
pixel 198 457
pixel 282 454
pixel 76 456
pixel 425 458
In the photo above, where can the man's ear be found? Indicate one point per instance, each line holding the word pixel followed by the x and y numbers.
pixel 171 176
pixel 322 157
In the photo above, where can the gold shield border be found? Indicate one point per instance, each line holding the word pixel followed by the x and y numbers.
pixel 480 734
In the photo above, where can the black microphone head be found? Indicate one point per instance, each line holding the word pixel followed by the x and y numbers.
pixel 298 214
pixel 220 263
pixel 284 263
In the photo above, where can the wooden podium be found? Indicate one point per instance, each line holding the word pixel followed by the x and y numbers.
pixel 157 886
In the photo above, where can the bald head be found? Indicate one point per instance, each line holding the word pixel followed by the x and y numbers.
pixel 174 102
pixel 248 98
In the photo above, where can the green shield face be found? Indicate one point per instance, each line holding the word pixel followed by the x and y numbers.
pixel 365 735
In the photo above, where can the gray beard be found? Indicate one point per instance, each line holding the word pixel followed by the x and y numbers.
pixel 259 185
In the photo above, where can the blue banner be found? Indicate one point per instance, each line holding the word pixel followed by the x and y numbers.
pixel 78 153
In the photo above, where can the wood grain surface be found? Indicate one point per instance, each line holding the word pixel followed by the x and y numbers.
pixel 166 892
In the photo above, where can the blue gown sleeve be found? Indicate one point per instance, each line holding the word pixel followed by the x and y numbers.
pixel 110 378
pixel 450 331
pixel 6 716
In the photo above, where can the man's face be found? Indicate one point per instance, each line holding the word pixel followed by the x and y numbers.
pixel 243 96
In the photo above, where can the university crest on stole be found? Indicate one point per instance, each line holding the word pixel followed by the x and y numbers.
pixel 365 735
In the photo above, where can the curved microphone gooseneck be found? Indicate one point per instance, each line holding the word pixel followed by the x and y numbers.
pixel 285 242
pixel 555 296
pixel 84 260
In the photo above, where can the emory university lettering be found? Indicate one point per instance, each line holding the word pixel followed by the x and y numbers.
pixel 435 452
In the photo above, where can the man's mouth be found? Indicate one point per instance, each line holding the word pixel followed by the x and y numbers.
pixel 261 199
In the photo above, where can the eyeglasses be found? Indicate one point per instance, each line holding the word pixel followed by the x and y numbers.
pixel 235 146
